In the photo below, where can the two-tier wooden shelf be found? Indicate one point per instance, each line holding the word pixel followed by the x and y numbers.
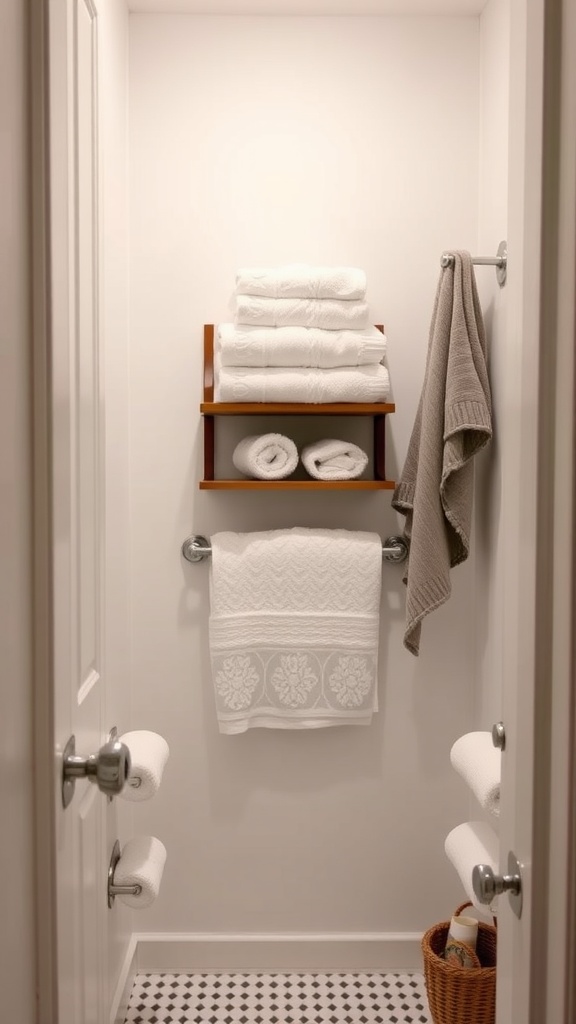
pixel 210 409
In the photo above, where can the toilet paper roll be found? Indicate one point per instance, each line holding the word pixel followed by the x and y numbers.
pixel 149 753
pixel 477 760
pixel 469 844
pixel 141 863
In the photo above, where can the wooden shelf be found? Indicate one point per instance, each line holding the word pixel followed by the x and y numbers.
pixel 295 409
pixel 297 485
pixel 209 409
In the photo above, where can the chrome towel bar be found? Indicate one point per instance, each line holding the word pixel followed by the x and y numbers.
pixel 500 261
pixel 197 549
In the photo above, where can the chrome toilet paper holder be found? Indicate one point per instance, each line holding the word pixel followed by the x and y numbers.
pixel 118 890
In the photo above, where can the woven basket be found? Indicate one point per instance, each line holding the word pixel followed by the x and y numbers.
pixel 460 995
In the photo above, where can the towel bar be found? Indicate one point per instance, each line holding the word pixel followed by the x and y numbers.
pixel 500 261
pixel 197 549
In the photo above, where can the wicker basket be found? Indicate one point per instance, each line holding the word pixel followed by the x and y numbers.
pixel 460 995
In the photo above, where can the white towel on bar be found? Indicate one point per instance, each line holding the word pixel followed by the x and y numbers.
pixel 301 281
pixel 283 384
pixel 294 623
pixel 266 456
pixel 334 460
pixel 471 843
pixel 477 760
pixel 242 345
pixel 330 314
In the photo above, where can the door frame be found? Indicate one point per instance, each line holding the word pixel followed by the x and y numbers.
pixel 46 765
pixel 558 237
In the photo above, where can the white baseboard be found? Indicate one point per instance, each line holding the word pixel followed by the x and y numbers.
pixel 125 983
pixel 170 952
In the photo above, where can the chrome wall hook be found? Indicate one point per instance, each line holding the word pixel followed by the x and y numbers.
pixel 500 261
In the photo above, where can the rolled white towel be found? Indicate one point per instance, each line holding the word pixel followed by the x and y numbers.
pixel 299 280
pixel 149 753
pixel 283 384
pixel 266 456
pixel 330 314
pixel 242 345
pixel 477 760
pixel 141 863
pixel 334 460
pixel 469 844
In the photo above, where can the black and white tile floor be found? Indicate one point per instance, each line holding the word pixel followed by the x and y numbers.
pixel 278 999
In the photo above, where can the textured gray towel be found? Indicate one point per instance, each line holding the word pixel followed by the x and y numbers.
pixel 453 422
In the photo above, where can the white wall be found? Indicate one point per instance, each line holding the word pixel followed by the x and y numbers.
pixel 17 952
pixel 256 140
pixel 113 109
pixel 491 537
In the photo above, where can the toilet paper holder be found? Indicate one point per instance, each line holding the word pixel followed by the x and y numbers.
pixel 118 890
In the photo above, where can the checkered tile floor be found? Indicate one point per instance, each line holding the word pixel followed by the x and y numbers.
pixel 278 999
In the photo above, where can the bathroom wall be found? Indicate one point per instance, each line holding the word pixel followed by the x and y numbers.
pixel 262 141
pixel 491 537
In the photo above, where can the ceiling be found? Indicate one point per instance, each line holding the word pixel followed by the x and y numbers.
pixel 309 7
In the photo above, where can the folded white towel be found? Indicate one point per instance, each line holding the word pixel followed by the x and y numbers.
pixel 334 460
pixel 283 384
pixel 241 345
pixel 141 863
pixel 331 314
pixel 266 456
pixel 301 281
pixel 149 753
pixel 469 844
pixel 294 624
pixel 477 760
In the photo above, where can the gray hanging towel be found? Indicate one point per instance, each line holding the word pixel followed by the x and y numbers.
pixel 453 422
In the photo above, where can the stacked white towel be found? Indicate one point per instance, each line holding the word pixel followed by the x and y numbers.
pixel 243 345
pixel 330 314
pixel 287 384
pixel 302 655
pixel 301 334
pixel 300 281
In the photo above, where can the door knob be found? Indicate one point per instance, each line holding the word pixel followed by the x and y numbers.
pixel 487 885
pixel 108 769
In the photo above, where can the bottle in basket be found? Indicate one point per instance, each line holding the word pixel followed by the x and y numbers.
pixel 461 942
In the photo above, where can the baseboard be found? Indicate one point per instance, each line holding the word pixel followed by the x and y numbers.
pixel 125 983
pixel 170 952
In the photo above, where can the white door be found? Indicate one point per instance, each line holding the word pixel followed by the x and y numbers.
pixel 534 952
pixel 77 490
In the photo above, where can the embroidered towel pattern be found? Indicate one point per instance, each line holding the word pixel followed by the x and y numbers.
pixel 294 622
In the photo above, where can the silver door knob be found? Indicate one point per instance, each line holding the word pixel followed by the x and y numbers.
pixel 487 885
pixel 108 769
